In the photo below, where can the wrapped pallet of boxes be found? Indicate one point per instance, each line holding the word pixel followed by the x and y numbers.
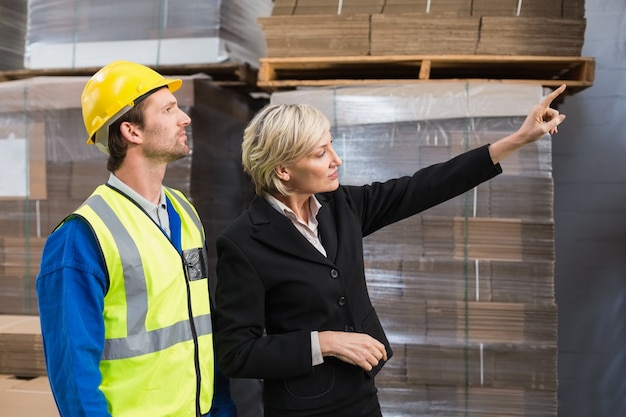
pixel 465 290
pixel 21 350
pixel 86 34
pixel 12 33
pixel 47 170
pixel 308 28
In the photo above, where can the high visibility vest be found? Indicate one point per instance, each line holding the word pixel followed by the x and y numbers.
pixel 157 360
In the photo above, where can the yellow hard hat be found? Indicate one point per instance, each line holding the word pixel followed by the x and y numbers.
pixel 112 91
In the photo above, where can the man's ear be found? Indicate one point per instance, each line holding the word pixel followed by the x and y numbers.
pixel 282 173
pixel 130 132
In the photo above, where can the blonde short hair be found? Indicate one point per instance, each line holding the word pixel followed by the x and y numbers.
pixel 280 134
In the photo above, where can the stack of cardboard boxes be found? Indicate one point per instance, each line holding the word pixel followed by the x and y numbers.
pixel 420 27
pixel 53 171
pixel 465 289
pixel 69 34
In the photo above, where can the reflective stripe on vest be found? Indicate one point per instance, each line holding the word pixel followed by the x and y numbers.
pixel 190 211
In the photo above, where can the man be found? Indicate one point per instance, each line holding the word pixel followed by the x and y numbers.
pixel 123 286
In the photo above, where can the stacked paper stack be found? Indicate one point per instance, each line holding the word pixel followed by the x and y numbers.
pixel 21 348
pixel 15 253
pixel 26 397
pixel 525 35
pixel 506 8
pixel 69 34
pixel 19 262
pixel 308 7
pixel 423 33
pixel 12 33
pixel 459 7
pixel 316 35
pixel 241 34
pixel 573 8
pixel 420 27
pixel 465 290
pixel 47 169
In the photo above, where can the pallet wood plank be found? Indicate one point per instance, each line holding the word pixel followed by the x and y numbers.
pixel 232 74
pixel 551 71
pixel 425 69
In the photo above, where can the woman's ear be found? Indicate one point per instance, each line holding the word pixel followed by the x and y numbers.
pixel 282 173
pixel 129 131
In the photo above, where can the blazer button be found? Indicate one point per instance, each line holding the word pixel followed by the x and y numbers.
pixel 334 274
pixel 349 328
pixel 341 301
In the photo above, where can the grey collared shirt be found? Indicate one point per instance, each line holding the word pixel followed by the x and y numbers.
pixel 309 231
pixel 157 212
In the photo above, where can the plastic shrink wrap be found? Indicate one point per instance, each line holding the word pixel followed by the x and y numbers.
pixel 66 34
pixel 465 290
pixel 47 170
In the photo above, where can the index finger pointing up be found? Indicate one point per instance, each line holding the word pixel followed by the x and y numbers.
pixel 547 100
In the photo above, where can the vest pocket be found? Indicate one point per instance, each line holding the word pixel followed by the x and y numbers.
pixel 195 264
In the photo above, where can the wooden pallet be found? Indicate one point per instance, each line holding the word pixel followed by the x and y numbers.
pixel 551 71
pixel 229 74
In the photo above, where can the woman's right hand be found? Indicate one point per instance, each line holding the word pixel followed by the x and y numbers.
pixel 358 349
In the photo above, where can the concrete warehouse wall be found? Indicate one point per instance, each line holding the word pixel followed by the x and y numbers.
pixel 589 162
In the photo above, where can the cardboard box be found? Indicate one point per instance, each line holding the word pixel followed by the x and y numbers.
pixel 26 397
pixel 21 346
pixel 325 35
pixel 423 34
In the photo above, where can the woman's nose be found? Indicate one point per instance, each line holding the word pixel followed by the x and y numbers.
pixel 337 158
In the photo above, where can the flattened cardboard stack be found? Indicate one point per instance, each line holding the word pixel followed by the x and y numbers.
pixel 465 290
pixel 300 35
pixel 43 34
pixel 21 349
pixel 509 8
pixel 24 387
pixel 460 7
pixel 518 35
pixel 311 7
pixel 44 116
pixel 12 33
pixel 421 33
pixel 48 170
pixel 419 27
pixel 26 397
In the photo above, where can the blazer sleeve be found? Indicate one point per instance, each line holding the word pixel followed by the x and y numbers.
pixel 382 203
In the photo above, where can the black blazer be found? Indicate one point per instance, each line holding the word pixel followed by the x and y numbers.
pixel 274 287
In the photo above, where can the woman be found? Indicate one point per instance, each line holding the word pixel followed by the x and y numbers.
pixel 292 306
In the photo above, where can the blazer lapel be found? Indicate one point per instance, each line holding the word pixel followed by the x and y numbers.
pixel 327 227
pixel 275 230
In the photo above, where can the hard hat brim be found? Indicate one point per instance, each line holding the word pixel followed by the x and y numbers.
pixel 172 84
